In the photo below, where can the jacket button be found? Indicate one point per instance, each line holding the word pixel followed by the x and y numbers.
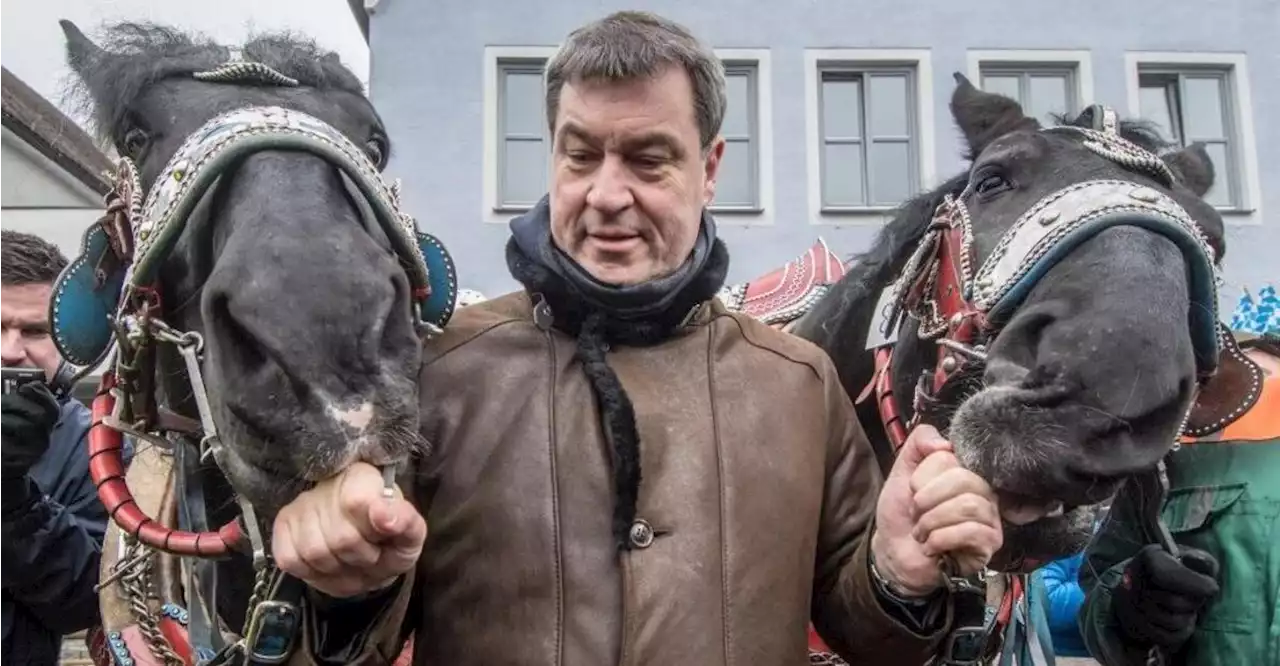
pixel 641 533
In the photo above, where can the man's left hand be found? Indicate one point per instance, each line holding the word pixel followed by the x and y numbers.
pixel 931 506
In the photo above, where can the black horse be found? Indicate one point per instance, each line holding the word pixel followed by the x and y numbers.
pixel 1089 379
pixel 296 274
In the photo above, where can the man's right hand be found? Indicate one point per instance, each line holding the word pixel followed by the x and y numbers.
pixel 343 538
pixel 29 415
pixel 1159 599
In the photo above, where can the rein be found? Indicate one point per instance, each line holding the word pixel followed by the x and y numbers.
pixel 962 308
pixel 110 300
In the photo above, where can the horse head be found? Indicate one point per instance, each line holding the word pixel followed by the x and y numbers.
pixel 256 220
pixel 1054 310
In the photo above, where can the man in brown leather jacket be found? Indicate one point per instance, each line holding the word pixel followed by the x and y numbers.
pixel 620 470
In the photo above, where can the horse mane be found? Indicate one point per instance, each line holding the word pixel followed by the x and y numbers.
pixel 876 268
pixel 139 54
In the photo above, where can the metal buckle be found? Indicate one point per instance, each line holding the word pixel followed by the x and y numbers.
pixel 272 632
pixel 966 646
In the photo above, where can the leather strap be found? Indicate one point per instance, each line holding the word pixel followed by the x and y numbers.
pixel 1231 393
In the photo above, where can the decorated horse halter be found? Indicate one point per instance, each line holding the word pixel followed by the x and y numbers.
pixel 962 308
pixel 110 296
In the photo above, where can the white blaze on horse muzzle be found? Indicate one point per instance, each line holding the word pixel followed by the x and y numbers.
pixel 1059 223
pixel 111 294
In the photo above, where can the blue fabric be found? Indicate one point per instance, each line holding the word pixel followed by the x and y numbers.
pixel 1260 316
pixel 1065 599
pixel 52 543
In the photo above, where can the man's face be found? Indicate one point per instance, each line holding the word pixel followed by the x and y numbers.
pixel 24 323
pixel 630 179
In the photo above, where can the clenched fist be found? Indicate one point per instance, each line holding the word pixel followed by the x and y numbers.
pixel 344 538
pixel 931 506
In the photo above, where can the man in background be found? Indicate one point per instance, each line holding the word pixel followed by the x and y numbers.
pixel 52 520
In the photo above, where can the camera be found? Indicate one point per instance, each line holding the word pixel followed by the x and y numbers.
pixel 16 377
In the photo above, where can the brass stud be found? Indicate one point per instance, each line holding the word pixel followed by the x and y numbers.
pixel 1145 194
pixel 949 364
pixel 1050 217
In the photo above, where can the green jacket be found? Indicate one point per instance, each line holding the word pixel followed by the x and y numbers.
pixel 1224 498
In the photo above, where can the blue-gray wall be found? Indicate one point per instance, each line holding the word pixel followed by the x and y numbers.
pixel 427 68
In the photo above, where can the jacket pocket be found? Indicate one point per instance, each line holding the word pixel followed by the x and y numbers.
pixel 1224 521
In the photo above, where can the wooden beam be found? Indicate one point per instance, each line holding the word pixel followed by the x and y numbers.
pixel 361 16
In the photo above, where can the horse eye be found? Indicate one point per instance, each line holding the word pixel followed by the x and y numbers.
pixel 135 140
pixel 992 184
pixel 376 148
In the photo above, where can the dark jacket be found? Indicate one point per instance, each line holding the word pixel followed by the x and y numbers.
pixel 52 541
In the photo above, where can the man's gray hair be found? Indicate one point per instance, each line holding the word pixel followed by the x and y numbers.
pixel 631 45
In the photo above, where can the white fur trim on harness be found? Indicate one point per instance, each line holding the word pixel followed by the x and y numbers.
pixel 1060 214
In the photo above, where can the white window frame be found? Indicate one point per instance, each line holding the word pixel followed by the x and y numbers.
pixel 494 56
pixel 1239 123
pixel 815 60
pixel 1029 60
pixel 762 213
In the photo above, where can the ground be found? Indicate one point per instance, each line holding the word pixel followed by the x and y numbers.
pixel 74 651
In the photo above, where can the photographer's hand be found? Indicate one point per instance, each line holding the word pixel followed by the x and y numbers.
pixel 29 415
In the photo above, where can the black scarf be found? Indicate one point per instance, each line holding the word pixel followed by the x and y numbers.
pixel 598 315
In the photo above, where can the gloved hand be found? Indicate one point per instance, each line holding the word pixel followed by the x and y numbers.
pixel 29 415
pixel 1160 597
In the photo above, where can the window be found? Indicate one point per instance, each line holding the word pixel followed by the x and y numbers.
pixel 1045 82
pixel 516 156
pixel 869 157
pixel 1041 90
pixel 1193 105
pixel 523 146
pixel 737 185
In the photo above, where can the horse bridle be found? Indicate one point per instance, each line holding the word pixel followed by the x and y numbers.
pixel 142 238
pixel 110 297
pixel 962 309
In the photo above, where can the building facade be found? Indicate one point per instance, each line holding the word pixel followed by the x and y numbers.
pixel 837 110
pixel 54 175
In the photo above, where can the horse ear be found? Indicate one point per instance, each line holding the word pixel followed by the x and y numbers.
pixel 81 51
pixel 983 117
pixel 1193 167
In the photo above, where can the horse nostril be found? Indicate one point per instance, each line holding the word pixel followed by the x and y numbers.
pixel 1004 372
pixel 1020 340
pixel 239 348
pixel 235 338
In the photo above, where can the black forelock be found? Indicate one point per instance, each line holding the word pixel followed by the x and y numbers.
pixel 1142 132
pixel 138 55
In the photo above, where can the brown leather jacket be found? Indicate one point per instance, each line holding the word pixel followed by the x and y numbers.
pixel 757 480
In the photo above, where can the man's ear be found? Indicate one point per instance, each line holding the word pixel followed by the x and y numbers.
pixel 711 168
